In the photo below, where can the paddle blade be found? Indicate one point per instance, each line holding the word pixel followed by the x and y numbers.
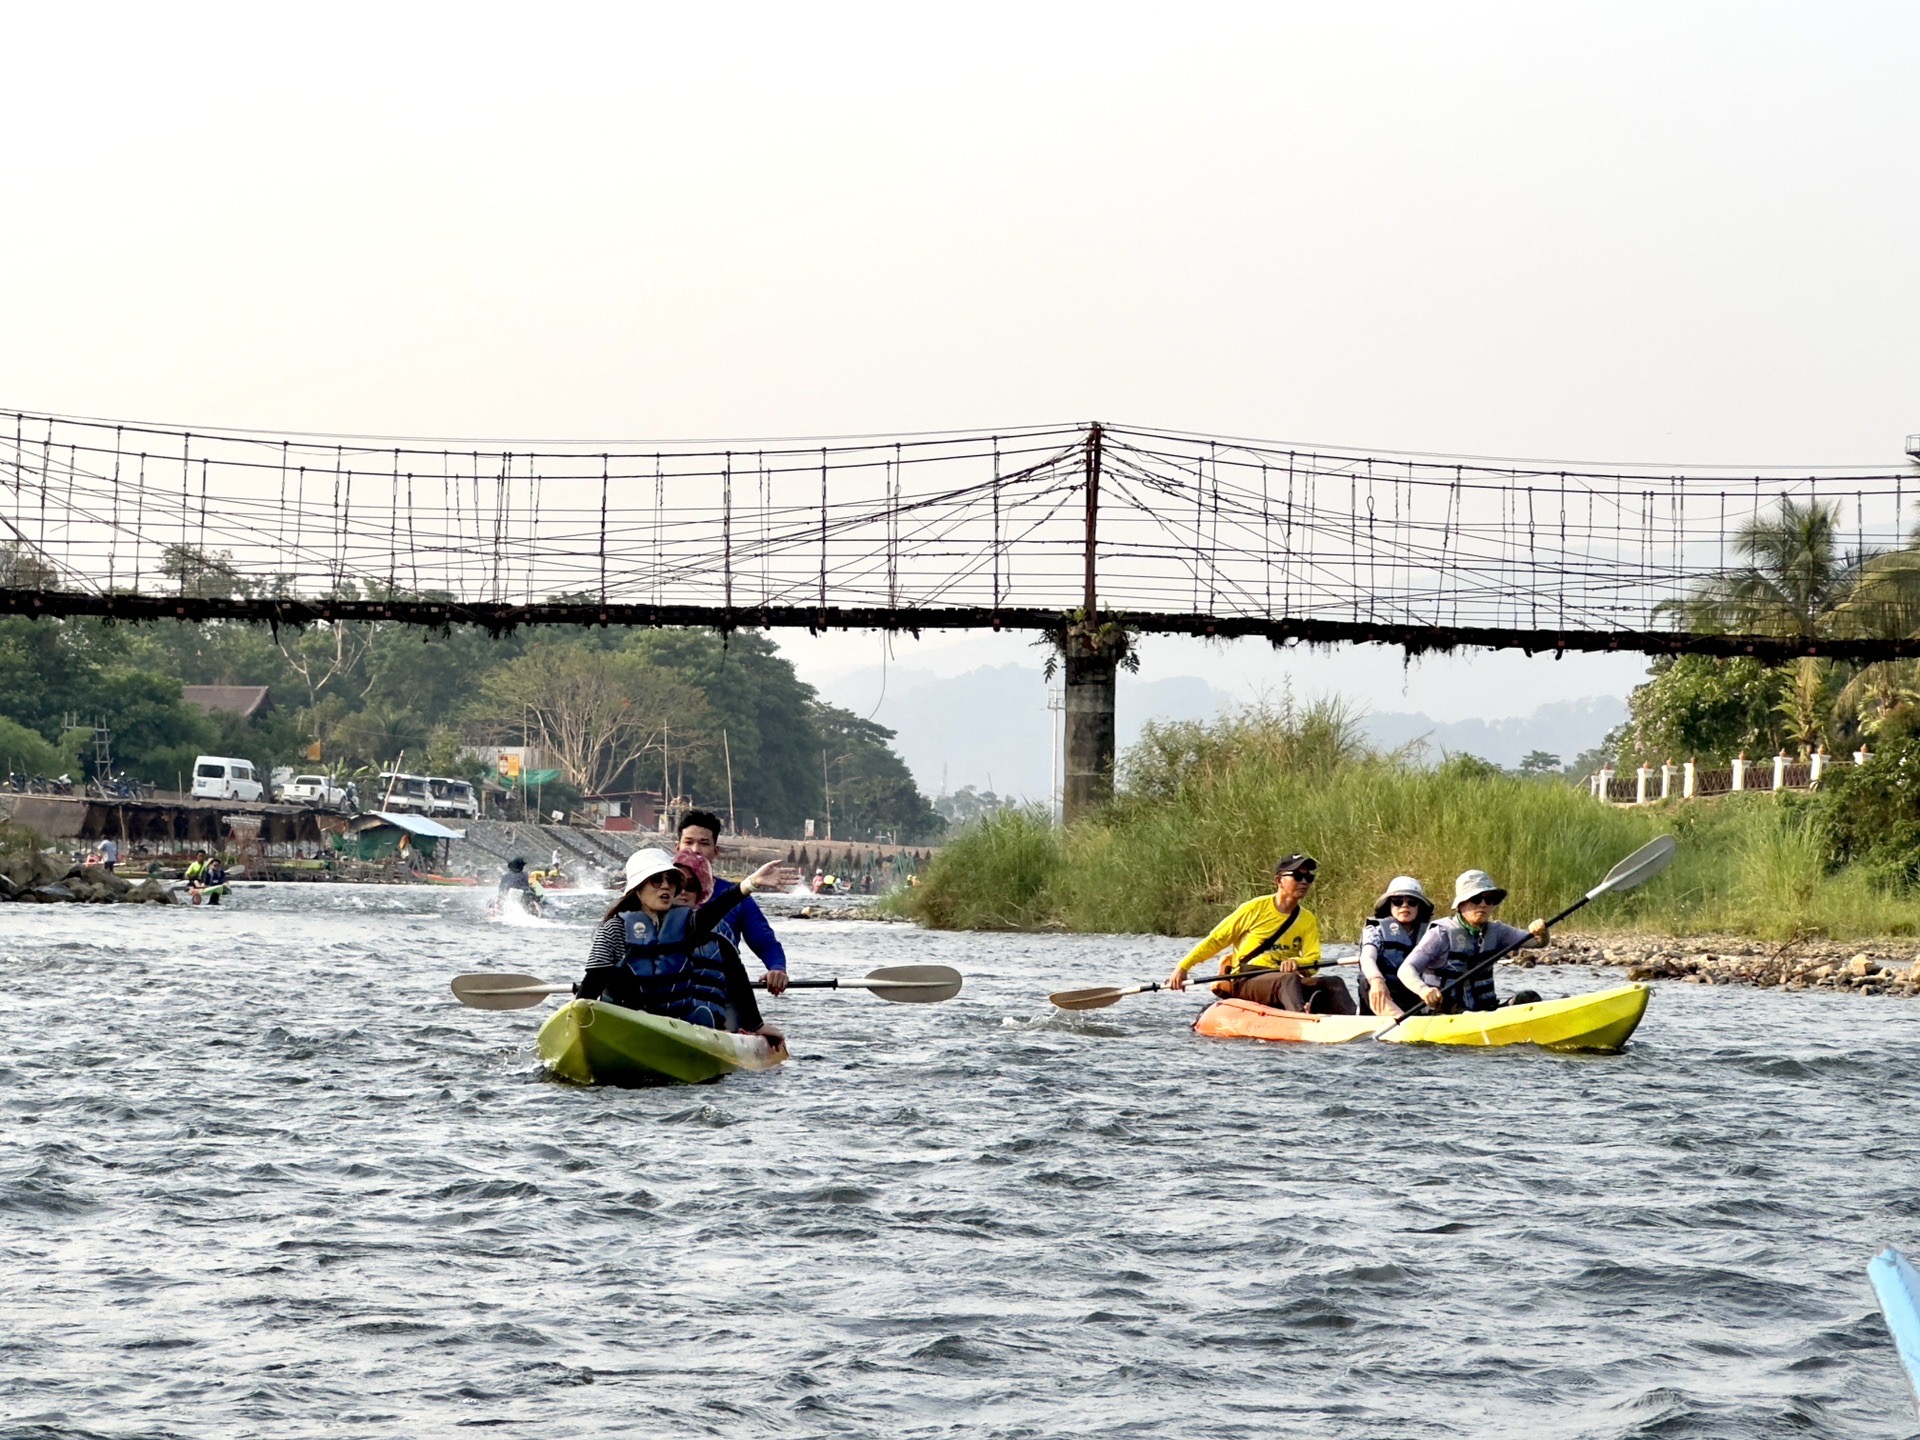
pixel 1098 998
pixel 912 984
pixel 495 991
pixel 1638 868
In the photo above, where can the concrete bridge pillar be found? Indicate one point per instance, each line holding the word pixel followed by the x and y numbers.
pixel 1092 662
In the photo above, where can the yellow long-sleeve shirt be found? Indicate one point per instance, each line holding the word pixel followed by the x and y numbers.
pixel 1252 923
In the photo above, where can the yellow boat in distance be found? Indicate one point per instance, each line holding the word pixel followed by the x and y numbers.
pixel 1601 1021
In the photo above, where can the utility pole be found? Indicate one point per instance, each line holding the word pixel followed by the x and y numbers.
pixel 666 781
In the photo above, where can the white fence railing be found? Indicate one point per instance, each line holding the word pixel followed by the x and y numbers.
pixel 1688 781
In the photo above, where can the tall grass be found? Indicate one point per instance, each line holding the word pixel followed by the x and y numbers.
pixel 1204 811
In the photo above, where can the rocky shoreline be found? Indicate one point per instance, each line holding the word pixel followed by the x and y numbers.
pixel 1875 967
pixel 44 879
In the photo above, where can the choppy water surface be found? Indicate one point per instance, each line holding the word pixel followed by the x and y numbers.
pixel 261 1176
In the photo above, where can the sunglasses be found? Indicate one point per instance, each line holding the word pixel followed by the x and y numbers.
pixel 1302 877
pixel 1401 902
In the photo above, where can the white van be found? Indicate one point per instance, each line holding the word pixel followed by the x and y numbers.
pixel 453 797
pixel 220 777
pixel 402 794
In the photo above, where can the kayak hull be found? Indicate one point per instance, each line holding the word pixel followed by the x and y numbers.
pixel 1898 1288
pixel 1600 1021
pixel 592 1043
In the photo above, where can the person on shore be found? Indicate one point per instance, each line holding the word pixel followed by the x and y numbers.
pixel 1279 937
pixel 1400 919
pixel 1454 945
pixel 699 834
pixel 109 852
pixel 654 954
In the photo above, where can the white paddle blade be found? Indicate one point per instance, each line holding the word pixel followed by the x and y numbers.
pixel 912 984
pixel 495 991
pixel 1639 867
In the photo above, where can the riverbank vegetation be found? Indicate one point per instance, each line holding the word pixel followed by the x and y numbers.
pixel 1796 578
pixel 1203 811
pixel 684 710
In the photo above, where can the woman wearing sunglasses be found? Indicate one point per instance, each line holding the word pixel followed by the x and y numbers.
pixel 1399 921
pixel 1453 947
pixel 651 953
pixel 1277 939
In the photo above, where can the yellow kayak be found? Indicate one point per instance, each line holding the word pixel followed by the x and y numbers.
pixel 1600 1021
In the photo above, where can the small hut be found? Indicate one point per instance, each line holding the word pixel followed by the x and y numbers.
pixel 379 834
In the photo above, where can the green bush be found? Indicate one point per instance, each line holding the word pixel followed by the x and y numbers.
pixel 1202 819
pixel 1871 812
pixel 996 874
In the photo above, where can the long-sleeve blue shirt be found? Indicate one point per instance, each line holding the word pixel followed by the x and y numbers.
pixel 748 923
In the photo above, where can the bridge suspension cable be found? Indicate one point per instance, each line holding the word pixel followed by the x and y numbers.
pixel 1018 527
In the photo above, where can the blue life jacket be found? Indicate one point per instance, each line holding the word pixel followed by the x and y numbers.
pixel 667 973
pixel 1464 950
pixel 1391 942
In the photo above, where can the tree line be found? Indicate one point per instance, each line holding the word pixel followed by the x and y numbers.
pixel 687 711
pixel 1795 579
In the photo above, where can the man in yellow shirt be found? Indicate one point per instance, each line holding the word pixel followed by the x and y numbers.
pixel 1278 937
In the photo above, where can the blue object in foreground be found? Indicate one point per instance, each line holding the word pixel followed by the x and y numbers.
pixel 1898 1286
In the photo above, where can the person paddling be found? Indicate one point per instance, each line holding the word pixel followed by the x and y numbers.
pixel 1400 919
pixel 515 882
pixel 1452 946
pixel 699 834
pixel 654 955
pixel 1279 937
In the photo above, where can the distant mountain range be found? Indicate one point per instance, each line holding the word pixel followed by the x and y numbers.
pixel 990 728
pixel 1564 728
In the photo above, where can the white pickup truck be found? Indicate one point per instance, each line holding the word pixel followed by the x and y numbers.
pixel 313 790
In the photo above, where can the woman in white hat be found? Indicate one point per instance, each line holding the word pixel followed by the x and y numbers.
pixel 654 955
pixel 1400 918
pixel 1454 945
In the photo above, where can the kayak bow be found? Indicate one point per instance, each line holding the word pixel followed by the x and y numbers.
pixel 593 1043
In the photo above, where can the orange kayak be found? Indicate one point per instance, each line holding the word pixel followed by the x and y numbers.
pixel 1600 1021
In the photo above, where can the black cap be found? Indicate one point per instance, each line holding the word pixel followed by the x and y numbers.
pixel 517 863
pixel 1295 862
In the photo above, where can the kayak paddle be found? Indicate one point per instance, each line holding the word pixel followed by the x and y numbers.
pixel 1638 868
pixel 1100 997
pixel 901 984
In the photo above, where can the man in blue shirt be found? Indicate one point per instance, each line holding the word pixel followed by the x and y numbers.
pixel 700 832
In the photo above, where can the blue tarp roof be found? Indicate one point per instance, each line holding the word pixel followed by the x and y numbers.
pixel 417 825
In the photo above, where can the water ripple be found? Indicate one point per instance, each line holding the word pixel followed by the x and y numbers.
pixel 262 1176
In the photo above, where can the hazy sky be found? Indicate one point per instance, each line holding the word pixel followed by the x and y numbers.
pixel 1678 232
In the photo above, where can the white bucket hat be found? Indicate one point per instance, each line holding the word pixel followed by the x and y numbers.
pixel 643 865
pixel 1402 885
pixel 1476 885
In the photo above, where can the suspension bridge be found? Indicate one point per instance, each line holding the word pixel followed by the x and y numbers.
pixel 1092 533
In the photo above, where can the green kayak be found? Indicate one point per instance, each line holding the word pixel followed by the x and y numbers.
pixel 592 1043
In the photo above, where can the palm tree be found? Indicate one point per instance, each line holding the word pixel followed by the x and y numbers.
pixel 1797 582
pixel 1794 578
pixel 1884 604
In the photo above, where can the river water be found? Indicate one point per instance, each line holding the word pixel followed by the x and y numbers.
pixel 262 1176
